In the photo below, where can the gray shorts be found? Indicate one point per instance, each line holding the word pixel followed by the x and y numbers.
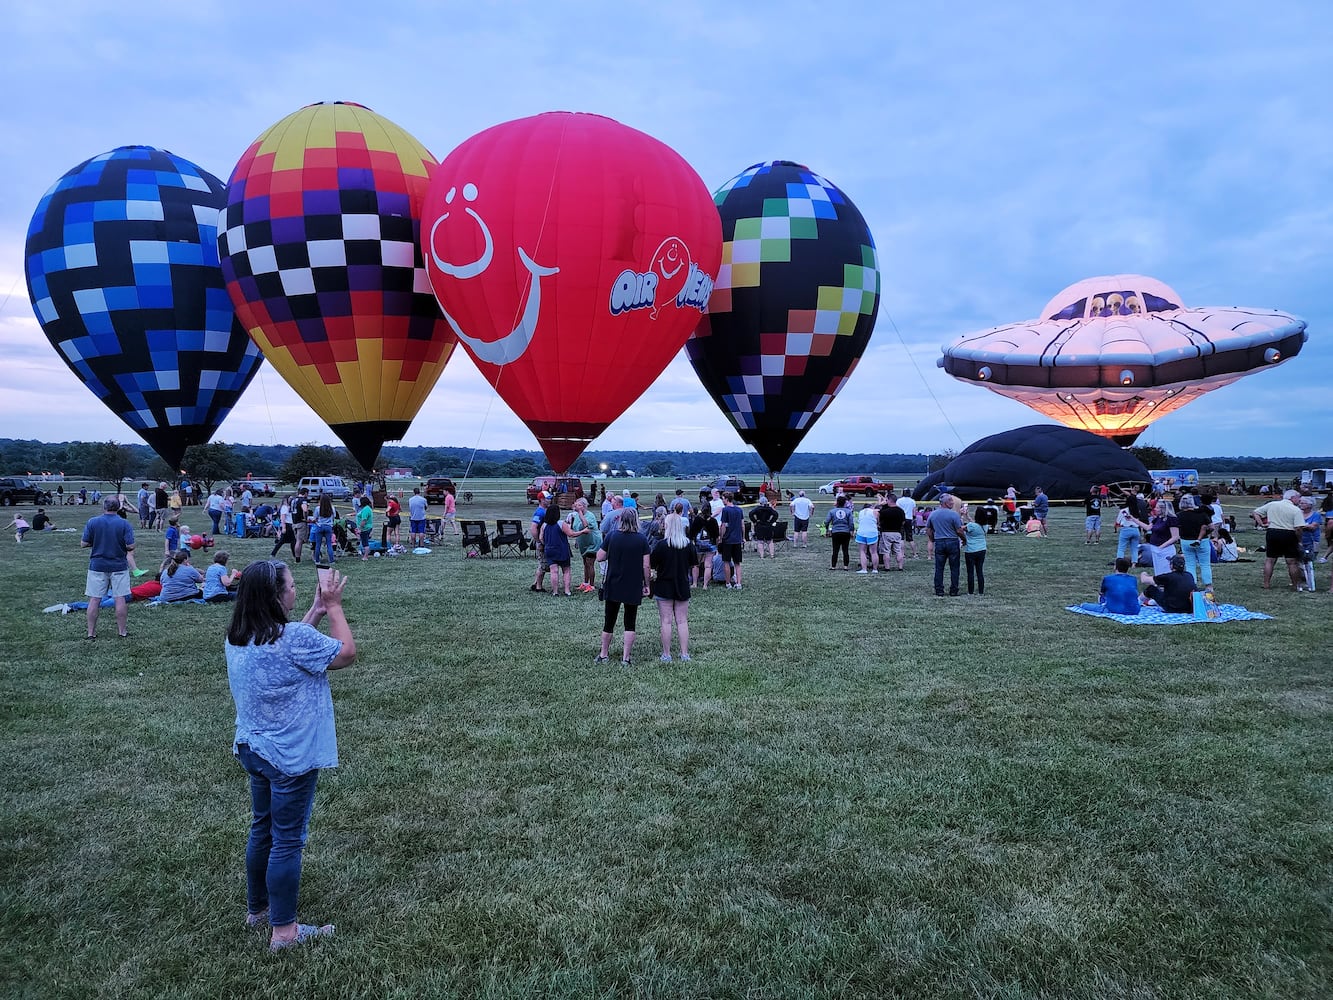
pixel 891 544
pixel 100 584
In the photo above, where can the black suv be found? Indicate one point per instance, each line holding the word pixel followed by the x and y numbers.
pixel 437 487
pixel 730 484
pixel 16 490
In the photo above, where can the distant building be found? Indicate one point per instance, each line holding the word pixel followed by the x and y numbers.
pixel 397 473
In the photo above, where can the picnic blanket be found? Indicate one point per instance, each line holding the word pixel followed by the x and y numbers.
pixel 1156 616
pixel 110 602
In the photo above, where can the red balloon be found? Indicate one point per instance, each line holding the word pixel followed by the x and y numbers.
pixel 196 541
pixel 572 256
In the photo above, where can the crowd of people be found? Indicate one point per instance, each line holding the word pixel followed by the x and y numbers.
pixel 669 551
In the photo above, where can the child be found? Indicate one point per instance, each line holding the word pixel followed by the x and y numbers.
pixel 20 527
pixel 218 582
pixel 172 536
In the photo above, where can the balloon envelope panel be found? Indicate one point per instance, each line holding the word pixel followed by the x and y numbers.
pixel 122 271
pixel 1114 353
pixel 1064 460
pixel 572 256
pixel 319 248
pixel 794 305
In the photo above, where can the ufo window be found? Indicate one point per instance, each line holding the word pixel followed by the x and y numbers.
pixel 1074 311
pixel 1156 304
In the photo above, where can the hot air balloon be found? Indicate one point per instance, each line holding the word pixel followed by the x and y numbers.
pixel 1063 460
pixel 793 307
pixel 319 247
pixel 1113 354
pixel 122 270
pixel 572 256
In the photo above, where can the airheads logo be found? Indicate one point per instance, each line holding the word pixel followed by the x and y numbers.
pixel 671 275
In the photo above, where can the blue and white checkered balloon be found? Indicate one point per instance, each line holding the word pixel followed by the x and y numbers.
pixel 123 274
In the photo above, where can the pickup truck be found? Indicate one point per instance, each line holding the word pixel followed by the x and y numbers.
pixel 865 485
pixel 736 487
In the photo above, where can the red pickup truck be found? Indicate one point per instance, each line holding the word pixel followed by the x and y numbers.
pixel 867 485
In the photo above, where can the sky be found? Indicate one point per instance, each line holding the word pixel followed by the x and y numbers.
pixel 998 152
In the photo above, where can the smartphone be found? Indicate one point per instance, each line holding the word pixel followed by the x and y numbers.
pixel 322 571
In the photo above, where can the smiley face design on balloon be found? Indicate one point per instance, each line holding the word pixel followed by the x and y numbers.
pixel 511 346
pixel 671 263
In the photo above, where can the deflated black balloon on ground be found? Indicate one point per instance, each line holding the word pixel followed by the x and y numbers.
pixel 1065 461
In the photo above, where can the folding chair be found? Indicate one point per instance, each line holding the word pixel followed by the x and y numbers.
pixel 780 538
pixel 433 529
pixel 509 537
pixel 475 540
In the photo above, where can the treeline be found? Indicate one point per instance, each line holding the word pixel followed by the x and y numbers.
pixel 80 459
pixel 286 463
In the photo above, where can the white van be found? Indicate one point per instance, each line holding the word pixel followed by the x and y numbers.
pixel 331 486
pixel 1318 480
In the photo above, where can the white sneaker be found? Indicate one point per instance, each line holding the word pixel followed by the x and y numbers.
pixel 861 572
pixel 736 587
pixel 666 657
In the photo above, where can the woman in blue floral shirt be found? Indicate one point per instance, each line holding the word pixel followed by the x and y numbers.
pixel 278 672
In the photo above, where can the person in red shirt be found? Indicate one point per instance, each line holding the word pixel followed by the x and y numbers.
pixel 393 517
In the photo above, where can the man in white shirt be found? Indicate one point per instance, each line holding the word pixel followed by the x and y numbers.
pixel 802 509
pixel 1282 522
pixel 908 506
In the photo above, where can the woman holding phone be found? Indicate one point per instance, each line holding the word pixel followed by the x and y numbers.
pixel 278 673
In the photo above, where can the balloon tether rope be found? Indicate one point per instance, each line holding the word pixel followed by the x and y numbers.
pixel 495 386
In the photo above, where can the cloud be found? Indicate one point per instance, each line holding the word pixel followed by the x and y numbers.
pixel 997 153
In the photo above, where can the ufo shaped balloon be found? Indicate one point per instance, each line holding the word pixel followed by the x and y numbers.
pixel 1113 354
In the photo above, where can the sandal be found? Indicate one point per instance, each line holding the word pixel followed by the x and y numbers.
pixel 599 659
pixel 304 933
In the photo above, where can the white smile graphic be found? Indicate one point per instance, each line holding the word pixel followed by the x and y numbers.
pixel 511 346
pixel 674 271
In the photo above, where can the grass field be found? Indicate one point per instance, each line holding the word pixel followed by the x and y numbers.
pixel 855 789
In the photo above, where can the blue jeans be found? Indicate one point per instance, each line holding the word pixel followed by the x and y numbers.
pixel 322 533
pixel 976 574
pixel 1128 546
pixel 216 517
pixel 1199 562
pixel 281 806
pixel 946 550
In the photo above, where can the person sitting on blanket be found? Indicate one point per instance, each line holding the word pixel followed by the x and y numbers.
pixel 1173 592
pixel 1225 548
pixel 1120 591
pixel 180 581
pixel 218 582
